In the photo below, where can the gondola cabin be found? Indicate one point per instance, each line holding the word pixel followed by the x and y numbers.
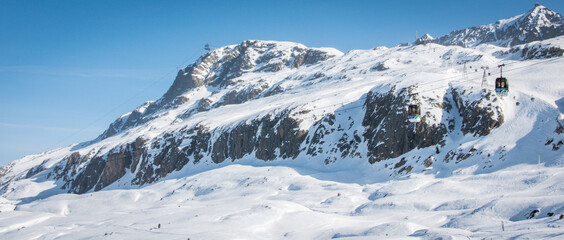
pixel 501 86
pixel 414 113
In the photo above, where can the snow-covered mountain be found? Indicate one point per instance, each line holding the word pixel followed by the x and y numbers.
pixel 539 23
pixel 339 121
pixel 281 101
pixel 219 68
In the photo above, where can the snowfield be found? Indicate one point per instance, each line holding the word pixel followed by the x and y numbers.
pixel 510 196
pixel 276 202
pixel 498 179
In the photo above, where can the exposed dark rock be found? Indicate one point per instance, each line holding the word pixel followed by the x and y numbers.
pixel 269 137
pixel 533 213
pixel 311 56
pixel 406 169
pixel 114 168
pixel 100 171
pixel 400 163
pixel 172 156
pixel 273 91
pixel 535 52
pixel 88 177
pixel 458 154
pixel 220 68
pixel 348 145
pixel 388 132
pixel 556 146
pixel 380 67
pixel 118 162
pixel 424 40
pixel 428 162
pixel 559 128
pixel 35 170
pixel 68 167
pixel 138 152
pixel 136 117
pixel 479 116
pixel 537 24
pixel 321 129
pixel 280 133
pixel 241 96
pixel 4 170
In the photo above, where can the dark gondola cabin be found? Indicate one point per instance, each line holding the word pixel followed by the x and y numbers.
pixel 414 113
pixel 501 85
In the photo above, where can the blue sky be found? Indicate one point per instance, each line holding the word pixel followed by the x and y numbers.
pixel 69 68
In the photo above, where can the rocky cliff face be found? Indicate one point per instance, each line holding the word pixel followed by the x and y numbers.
pixel 537 24
pixel 384 131
pixel 479 117
pixel 388 111
pixel 271 101
pixel 219 68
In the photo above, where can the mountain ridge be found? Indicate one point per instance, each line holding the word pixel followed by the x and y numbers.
pixel 216 67
pixel 279 102
pixel 539 23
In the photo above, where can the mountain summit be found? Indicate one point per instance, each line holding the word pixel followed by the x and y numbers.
pixel 217 69
pixel 537 24
pixel 424 39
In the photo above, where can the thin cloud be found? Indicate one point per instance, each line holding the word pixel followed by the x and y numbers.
pixel 46 128
pixel 143 74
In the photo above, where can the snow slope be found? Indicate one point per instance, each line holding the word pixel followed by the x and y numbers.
pixel 339 86
pixel 246 202
pixel 478 197
pixel 274 140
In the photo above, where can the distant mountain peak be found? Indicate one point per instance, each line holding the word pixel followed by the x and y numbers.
pixel 537 24
pixel 536 17
pixel 424 39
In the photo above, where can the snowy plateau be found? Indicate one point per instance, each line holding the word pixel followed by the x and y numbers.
pixel 275 140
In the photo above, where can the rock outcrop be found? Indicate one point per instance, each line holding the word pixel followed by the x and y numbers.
pixel 479 109
pixel 218 68
pixel 537 24
pixel 389 134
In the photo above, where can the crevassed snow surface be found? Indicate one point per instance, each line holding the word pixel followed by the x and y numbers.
pixel 275 202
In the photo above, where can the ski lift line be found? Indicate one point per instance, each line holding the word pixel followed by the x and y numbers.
pixel 433 89
pixel 364 97
pixel 437 88
pixel 116 107
pixel 470 80
pixel 441 87
pixel 506 70
pixel 529 65
pixel 414 93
